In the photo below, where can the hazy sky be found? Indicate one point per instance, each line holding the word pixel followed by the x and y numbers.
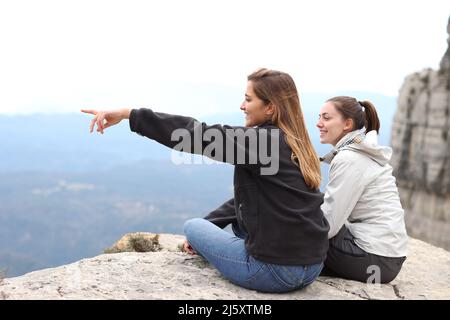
pixel 64 55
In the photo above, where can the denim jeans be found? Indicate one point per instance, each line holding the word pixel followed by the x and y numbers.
pixel 227 253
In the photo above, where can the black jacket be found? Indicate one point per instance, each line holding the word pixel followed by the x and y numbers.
pixel 280 214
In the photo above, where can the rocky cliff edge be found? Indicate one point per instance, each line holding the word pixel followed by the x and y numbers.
pixel 168 273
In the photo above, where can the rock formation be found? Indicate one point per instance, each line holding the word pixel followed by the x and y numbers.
pixel 171 274
pixel 445 62
pixel 421 157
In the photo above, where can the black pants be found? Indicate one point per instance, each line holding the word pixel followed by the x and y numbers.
pixel 346 260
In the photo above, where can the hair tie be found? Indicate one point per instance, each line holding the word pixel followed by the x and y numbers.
pixel 362 107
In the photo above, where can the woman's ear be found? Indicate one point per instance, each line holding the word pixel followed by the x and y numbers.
pixel 270 109
pixel 348 126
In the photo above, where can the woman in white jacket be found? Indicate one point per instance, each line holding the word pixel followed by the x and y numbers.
pixel 367 234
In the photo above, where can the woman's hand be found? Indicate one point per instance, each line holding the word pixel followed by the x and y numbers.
pixel 112 117
pixel 187 248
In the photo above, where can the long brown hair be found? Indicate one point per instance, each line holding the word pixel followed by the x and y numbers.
pixel 363 113
pixel 279 89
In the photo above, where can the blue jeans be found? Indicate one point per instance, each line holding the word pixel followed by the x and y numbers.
pixel 227 253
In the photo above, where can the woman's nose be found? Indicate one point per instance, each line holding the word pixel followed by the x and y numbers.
pixel 242 106
pixel 319 124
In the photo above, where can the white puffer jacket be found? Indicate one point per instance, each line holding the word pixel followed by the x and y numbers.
pixel 362 194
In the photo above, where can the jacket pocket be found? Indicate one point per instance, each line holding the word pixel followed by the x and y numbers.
pixel 247 202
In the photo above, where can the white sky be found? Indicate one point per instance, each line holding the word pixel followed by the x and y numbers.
pixel 64 55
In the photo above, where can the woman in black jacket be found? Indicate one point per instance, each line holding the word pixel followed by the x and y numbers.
pixel 280 239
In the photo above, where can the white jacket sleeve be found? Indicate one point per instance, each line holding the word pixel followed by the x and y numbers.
pixel 344 188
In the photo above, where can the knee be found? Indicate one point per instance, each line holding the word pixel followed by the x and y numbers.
pixel 190 225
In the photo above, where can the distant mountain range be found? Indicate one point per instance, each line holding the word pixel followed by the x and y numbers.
pixel 61 142
pixel 66 194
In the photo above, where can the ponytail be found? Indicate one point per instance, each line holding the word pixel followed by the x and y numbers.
pixel 372 121
pixel 363 113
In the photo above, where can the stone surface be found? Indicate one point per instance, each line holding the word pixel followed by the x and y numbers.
pixel 421 152
pixel 171 274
